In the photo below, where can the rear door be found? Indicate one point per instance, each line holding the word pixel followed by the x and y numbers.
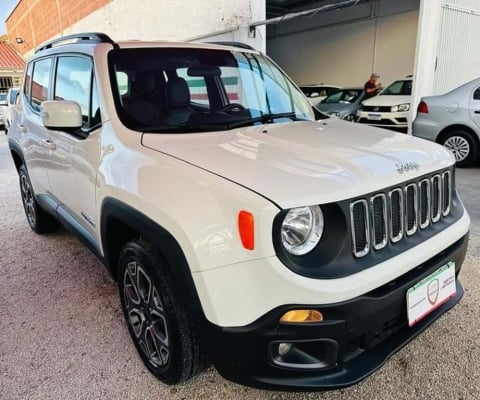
pixel 32 136
pixel 474 106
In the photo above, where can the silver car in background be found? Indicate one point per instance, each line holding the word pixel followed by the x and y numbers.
pixel 343 104
pixel 452 119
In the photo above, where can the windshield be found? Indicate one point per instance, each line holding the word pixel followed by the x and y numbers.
pixel 403 88
pixel 346 96
pixel 188 90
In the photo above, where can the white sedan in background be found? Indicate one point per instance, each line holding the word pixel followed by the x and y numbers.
pixel 316 93
pixel 6 108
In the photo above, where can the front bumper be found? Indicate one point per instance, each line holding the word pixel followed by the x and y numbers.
pixel 355 339
pixel 390 120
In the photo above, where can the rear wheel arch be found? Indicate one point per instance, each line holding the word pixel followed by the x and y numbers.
pixel 463 142
pixel 458 127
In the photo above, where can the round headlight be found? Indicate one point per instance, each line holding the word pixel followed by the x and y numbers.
pixel 302 229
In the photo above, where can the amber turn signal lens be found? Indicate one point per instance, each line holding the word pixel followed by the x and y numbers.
pixel 301 316
pixel 246 228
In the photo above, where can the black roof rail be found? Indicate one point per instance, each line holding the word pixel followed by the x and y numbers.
pixel 87 37
pixel 234 44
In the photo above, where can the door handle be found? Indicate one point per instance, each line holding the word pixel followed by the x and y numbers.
pixel 51 144
pixel 477 111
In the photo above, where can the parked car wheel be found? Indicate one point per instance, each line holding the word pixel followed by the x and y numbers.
pixel 156 317
pixel 349 118
pixel 38 219
pixel 463 146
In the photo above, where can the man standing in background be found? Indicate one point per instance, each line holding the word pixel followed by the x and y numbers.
pixel 372 86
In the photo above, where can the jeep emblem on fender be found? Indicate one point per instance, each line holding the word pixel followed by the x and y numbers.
pixel 433 290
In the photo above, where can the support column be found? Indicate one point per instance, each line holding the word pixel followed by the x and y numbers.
pixel 429 25
pixel 239 30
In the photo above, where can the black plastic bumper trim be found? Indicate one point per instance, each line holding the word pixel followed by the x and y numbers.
pixel 368 329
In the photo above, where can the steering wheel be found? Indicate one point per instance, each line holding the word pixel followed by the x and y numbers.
pixel 236 107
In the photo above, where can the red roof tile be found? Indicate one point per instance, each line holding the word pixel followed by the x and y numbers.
pixel 9 57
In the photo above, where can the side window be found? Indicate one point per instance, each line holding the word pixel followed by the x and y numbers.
pixel 73 82
pixel 476 94
pixel 40 82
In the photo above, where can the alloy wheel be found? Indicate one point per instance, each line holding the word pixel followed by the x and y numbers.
pixel 145 314
pixel 28 199
pixel 459 146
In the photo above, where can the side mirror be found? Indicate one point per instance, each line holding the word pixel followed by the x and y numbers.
pixel 61 115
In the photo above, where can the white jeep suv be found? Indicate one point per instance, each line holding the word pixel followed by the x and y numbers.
pixel 291 252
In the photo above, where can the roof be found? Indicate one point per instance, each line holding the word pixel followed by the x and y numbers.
pixel 9 58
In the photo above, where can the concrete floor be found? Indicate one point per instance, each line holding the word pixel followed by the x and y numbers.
pixel 62 333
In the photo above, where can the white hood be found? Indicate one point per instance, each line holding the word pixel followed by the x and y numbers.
pixel 305 163
pixel 387 100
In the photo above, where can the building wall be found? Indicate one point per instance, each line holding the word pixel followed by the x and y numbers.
pixel 35 21
pixel 38 20
pixel 344 47
pixel 458 47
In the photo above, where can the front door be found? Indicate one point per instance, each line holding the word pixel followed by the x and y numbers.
pixel 72 166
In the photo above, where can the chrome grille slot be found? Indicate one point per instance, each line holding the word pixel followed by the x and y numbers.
pixel 378 206
pixel 396 215
pixel 411 207
pixel 424 199
pixel 360 228
pixel 385 218
pixel 447 193
pixel 436 198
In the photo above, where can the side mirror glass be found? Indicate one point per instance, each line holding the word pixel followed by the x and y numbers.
pixel 61 115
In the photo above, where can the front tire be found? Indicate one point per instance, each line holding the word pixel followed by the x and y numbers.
pixel 155 314
pixel 38 219
pixel 463 146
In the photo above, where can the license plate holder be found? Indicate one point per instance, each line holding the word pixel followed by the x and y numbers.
pixel 375 117
pixel 431 292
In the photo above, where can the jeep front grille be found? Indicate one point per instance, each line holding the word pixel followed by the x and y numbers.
pixel 403 211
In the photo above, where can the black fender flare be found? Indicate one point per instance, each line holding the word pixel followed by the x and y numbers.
pixel 168 246
pixel 15 148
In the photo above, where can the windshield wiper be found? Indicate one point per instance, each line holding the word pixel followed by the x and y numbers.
pixel 182 128
pixel 218 126
pixel 264 119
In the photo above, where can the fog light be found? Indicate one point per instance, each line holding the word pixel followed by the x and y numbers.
pixel 301 316
pixel 284 348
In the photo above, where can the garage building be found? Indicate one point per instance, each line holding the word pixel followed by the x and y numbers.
pixel 437 41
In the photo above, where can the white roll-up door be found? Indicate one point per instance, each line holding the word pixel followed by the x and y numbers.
pixel 458 53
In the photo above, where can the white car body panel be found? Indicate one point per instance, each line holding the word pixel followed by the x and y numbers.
pixel 245 284
pixel 320 162
pixel 375 118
